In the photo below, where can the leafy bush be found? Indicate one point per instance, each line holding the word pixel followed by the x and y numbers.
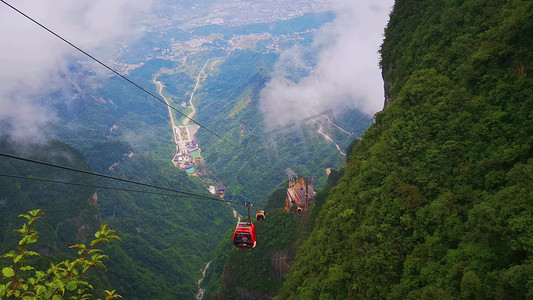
pixel 66 279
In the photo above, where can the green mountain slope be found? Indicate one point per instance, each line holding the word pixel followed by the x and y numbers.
pixel 166 241
pixel 61 227
pixel 436 202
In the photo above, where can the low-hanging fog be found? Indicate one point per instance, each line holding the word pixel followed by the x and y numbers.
pixel 32 59
pixel 345 70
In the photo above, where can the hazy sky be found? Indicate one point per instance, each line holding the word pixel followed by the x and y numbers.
pixel 31 59
pixel 347 66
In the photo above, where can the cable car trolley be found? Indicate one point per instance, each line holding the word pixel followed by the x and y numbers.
pixel 260 215
pixel 245 234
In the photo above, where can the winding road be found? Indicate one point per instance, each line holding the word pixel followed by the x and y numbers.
pixel 327 137
pixel 160 87
pixel 191 115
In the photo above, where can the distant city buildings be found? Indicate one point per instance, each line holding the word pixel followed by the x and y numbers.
pixel 231 13
pixel 187 151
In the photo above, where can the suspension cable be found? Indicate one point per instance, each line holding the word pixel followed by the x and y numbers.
pixel 108 177
pixel 107 187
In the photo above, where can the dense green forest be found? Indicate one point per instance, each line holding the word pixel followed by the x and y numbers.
pixel 436 200
pixel 17 196
pixel 166 241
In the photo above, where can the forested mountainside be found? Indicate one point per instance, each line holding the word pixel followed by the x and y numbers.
pixel 436 201
pixel 166 241
pixel 60 228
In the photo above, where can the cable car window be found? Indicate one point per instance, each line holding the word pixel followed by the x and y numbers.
pixel 243 239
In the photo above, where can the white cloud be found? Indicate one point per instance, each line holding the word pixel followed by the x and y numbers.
pixel 347 66
pixel 31 58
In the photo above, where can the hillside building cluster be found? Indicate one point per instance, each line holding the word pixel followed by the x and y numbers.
pixel 300 193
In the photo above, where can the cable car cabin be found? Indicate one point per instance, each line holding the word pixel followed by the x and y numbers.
pixel 244 235
pixel 260 215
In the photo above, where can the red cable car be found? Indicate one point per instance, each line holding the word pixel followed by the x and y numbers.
pixel 244 235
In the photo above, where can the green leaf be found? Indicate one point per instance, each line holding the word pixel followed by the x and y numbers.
pixel 36 212
pixel 71 285
pixel 57 297
pixel 98 241
pixel 114 237
pixel 81 246
pixel 32 239
pixel 73 265
pixel 24 239
pixel 8 272
pixel 39 274
pixel 98 257
pixel 85 269
pixel 10 254
pixel 2 291
pixel 18 258
pixel 27 268
pixel 94 251
pixel 41 289
pixel 108 232
pixel 25 216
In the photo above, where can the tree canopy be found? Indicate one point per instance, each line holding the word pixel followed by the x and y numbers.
pixel 436 198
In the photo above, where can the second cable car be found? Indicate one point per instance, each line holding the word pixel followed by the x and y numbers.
pixel 260 215
pixel 244 235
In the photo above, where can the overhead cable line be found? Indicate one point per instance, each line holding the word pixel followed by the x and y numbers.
pixel 130 81
pixel 108 177
pixel 103 187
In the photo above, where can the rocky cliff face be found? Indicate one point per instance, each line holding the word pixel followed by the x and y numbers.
pixel 281 262
pixel 387 82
